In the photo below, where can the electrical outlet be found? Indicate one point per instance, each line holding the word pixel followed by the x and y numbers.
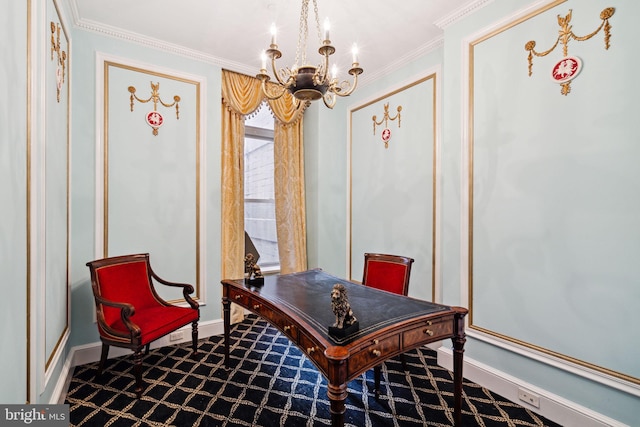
pixel 175 336
pixel 529 397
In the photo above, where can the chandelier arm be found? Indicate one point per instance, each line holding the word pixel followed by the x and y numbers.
pixel 270 93
pixel 329 99
pixel 274 53
pixel 348 92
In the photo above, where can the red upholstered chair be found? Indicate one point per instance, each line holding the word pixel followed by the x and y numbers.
pixel 130 313
pixel 390 273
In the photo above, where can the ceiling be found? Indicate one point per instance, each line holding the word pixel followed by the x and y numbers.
pixel 232 33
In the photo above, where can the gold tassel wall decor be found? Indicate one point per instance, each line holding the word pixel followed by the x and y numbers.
pixel 565 70
pixel 386 132
pixel 154 118
pixel 61 57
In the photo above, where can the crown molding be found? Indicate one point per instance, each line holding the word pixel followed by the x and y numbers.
pixel 433 45
pixel 460 13
pixel 131 37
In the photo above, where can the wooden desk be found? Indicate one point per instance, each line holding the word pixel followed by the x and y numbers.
pixel 299 305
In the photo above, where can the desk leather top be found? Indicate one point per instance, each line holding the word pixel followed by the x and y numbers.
pixel 308 295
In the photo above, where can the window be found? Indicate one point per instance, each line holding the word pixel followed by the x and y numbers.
pixel 259 196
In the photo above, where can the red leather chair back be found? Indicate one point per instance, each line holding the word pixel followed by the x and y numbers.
pixel 387 272
pixel 127 281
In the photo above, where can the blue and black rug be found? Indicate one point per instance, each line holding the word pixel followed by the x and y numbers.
pixel 270 383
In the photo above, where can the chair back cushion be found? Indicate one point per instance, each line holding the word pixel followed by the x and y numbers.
pixel 386 275
pixel 128 282
pixel 390 273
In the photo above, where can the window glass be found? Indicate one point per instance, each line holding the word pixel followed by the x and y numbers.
pixel 259 196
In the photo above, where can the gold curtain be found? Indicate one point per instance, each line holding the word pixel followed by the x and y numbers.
pixel 241 96
pixel 288 156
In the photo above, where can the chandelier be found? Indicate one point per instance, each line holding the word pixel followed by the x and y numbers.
pixel 304 81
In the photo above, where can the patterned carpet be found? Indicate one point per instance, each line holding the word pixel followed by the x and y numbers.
pixel 271 383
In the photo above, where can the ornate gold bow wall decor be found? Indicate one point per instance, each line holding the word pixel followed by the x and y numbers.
pixel 61 56
pixel 386 132
pixel 567 68
pixel 154 118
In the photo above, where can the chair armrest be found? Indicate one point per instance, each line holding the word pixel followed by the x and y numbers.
pixel 187 289
pixel 126 311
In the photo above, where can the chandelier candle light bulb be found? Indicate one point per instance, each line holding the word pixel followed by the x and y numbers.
pixel 304 81
pixel 273 34
pixel 263 58
pixel 327 28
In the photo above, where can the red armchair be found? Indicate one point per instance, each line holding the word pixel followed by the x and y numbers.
pixel 129 311
pixel 387 272
pixel 390 273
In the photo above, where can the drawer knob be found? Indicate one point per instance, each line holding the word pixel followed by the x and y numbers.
pixel 287 328
pixel 376 341
pixel 256 306
pixel 376 353
pixel 238 296
pixel 429 322
pixel 428 332
pixel 311 349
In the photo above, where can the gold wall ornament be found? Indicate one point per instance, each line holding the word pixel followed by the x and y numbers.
pixel 567 68
pixel 61 57
pixel 386 133
pixel 154 118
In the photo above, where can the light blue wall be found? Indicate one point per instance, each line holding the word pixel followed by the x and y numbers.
pixel 86 46
pixel 399 174
pixel 34 199
pixel 542 116
pixel 326 168
pixel 13 199
pixel 602 97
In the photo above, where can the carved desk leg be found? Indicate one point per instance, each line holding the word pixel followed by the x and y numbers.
pixel 337 396
pixel 458 350
pixel 337 384
pixel 226 309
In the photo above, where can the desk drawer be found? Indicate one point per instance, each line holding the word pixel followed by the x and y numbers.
pixel 260 309
pixel 285 324
pixel 238 297
pixel 314 351
pixel 428 332
pixel 375 350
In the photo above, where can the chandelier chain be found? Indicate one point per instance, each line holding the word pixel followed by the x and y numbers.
pixel 301 54
pixel 303 36
pixel 315 10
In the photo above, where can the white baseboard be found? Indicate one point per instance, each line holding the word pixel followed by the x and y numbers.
pixel 89 353
pixel 62 385
pixel 552 407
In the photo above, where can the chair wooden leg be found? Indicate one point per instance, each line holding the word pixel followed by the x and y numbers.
pixel 137 369
pixel 146 349
pixel 404 362
pixel 103 358
pixel 194 336
pixel 376 376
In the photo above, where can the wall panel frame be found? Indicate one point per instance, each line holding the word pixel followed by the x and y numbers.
pixel 550 200
pixel 150 186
